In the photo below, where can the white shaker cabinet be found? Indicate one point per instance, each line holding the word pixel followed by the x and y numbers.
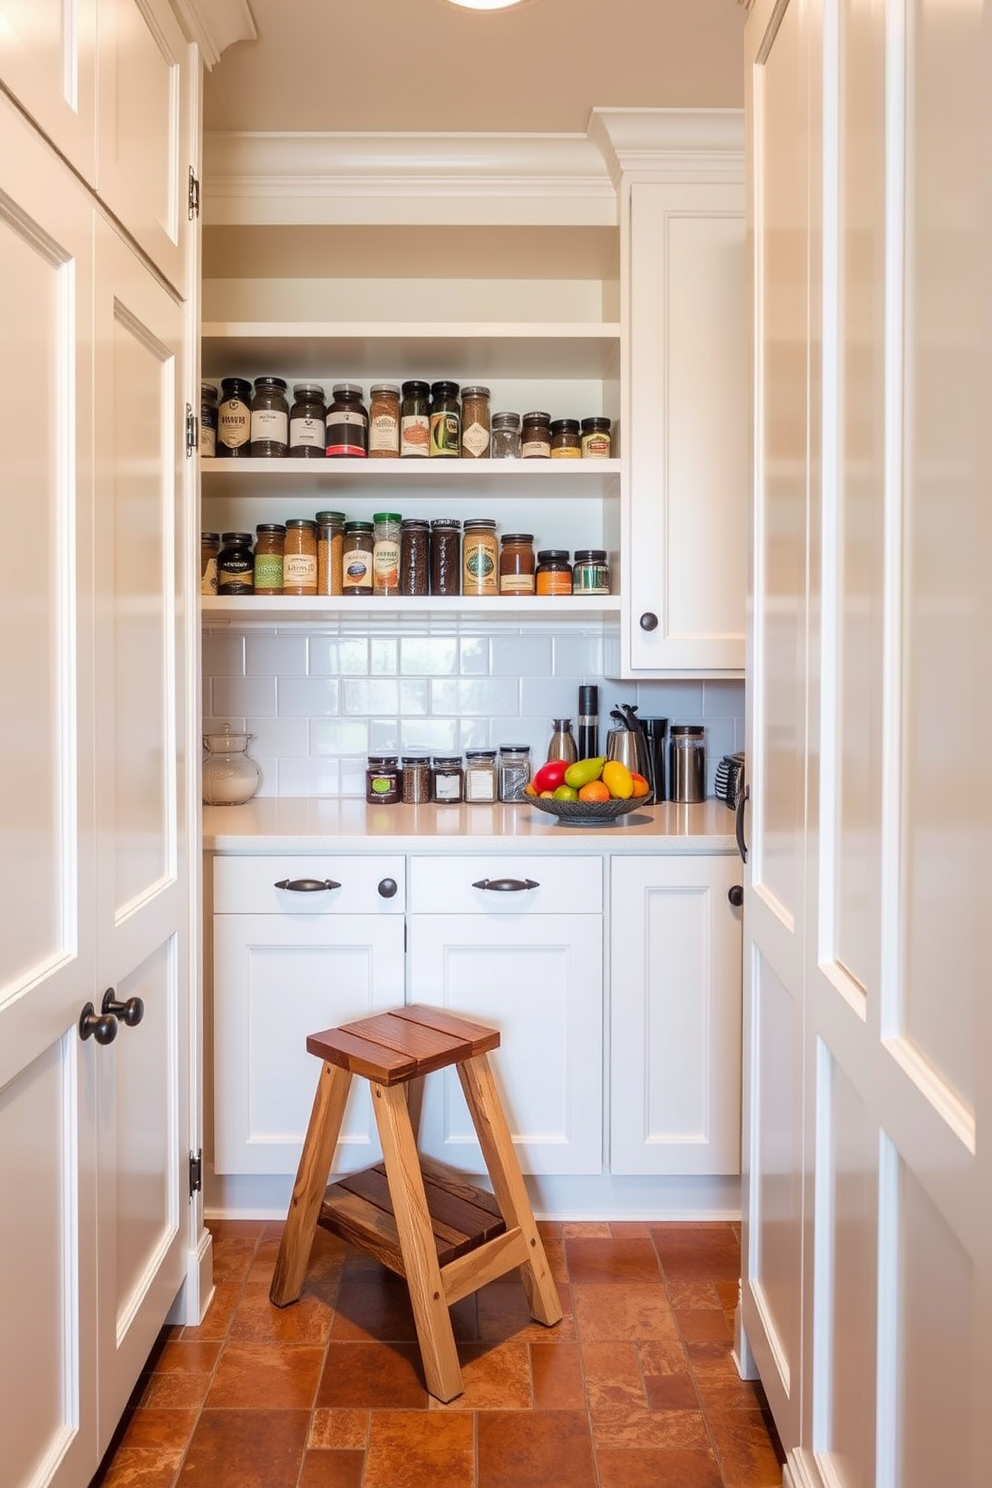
pixel 48 63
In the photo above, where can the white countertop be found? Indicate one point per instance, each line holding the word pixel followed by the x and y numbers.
pixel 272 824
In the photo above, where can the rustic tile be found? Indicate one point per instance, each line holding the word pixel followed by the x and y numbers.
pixel 410 1448
pixel 159 1429
pixel 217 1318
pixel 638 1311
pixel 178 1391
pixel 534 1449
pixel 503 1313
pixel 622 1424
pixel 495 1377
pixel 729 1293
pixel 549 1229
pixel 730 1394
pixel 181 1357
pixel 370 1376
pixel 344 1429
pixel 655 1467
pixel 273 1376
pixel 332 1470
pixel 628 1229
pixel 246 1449
pixel 704 1325
pixel 257 1320
pixel 744 1449
pixel 693 1295
pixel 609 1365
pixel 618 1261
pixel 586 1229
pixel 142 1468
pixel 697 1252
pixel 671 1392
pixel 661 1356
pixel 556 1372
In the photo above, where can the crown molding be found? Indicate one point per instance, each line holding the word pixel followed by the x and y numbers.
pixel 704 144
pixel 216 24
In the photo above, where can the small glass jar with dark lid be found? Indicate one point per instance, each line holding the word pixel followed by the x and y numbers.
pixel 591 573
pixel 382 780
pixel 554 572
pixel 234 419
pixel 480 775
pixel 446 778
pixel 504 441
pixel 356 561
pixel 566 442
pixel 475 423
pixel 416 779
pixel 513 771
pixel 516 563
pixel 307 422
pixel 446 556
pixel 535 436
pixel 446 422
pixel 236 564
pixel 415 420
pixel 596 441
pixel 415 556
pixel 347 423
pixel 269 419
pixel 208 420
pixel 270 542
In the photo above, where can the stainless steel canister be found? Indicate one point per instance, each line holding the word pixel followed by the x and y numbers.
pixel 687 763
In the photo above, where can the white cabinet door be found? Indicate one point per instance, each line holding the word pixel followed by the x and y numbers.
pixel 675 1016
pixel 48 63
pixel 685 550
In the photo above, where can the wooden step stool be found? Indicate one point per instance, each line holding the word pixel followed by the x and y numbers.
pixel 446 1238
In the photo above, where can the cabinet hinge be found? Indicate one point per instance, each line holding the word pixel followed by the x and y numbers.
pixel 192 431
pixel 195 1172
pixel 193 203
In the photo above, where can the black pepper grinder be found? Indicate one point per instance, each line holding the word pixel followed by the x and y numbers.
pixel 588 722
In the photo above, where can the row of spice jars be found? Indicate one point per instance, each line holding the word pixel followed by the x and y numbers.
pixel 392 556
pixel 416 420
pixel 446 779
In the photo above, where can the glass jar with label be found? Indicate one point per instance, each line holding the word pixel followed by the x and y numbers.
pixel 307 422
pixel 330 551
pixel 535 436
pixel 596 442
pixel 415 421
pixel 208 420
pixel 382 780
pixel 566 442
pixel 236 564
pixel 554 572
pixel 386 553
pixel 516 563
pixel 480 774
pixel 384 421
pixel 356 561
pixel 475 423
pixel 269 419
pixel 299 562
pixel 415 556
pixel 480 557
pixel 504 442
pixel 347 423
pixel 591 573
pixel 446 778
pixel 513 771
pixel 234 419
pixel 209 549
pixel 446 556
pixel 270 540
pixel 446 422
pixel 416 779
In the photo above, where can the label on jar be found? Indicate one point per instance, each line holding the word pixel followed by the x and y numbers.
pixel 415 434
pixel 347 432
pixel 386 565
pixel 269 423
pixel 475 439
pixel 480 785
pixel 208 440
pixel 444 435
pixel 590 578
pixel 557 581
pixel 299 571
pixel 382 785
pixel 208 578
pixel 535 449
pixel 566 454
pixel 306 431
pixel 479 561
pixel 384 434
pixel 356 569
pixel 234 423
pixel 447 787
pixel 516 583
pixel 596 446
pixel 268 571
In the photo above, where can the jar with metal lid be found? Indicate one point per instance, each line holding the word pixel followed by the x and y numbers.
pixel 269 419
pixel 209 549
pixel 330 551
pixel 475 423
pixel 566 442
pixel 516 563
pixel 446 421
pixel 382 780
pixel 504 442
pixel 307 422
pixel 554 572
pixel 299 562
pixel 686 762
pixel 208 420
pixel 234 419
pixel 480 774
pixel 535 436
pixel 416 779
pixel 596 441
pixel 386 553
pixel 591 572
pixel 236 564
pixel 513 771
pixel 446 778
pixel 415 556
pixel 384 421
pixel 480 557
pixel 415 421
pixel 270 540
pixel 356 560
pixel 347 423
pixel 446 556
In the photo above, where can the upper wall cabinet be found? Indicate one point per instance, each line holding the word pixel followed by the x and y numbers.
pixel 48 63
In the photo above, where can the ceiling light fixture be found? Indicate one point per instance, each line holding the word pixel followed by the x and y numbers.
pixel 485 4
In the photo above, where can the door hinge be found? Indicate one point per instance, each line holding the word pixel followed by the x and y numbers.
pixel 195 1172
pixel 193 203
pixel 192 431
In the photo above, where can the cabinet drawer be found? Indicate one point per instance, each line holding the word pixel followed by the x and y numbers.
pixel 249 885
pixel 446 885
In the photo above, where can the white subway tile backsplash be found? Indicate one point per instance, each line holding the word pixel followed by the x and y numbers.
pixel 473 656
pixel 429 656
pixel 723 699
pixel 376 696
pixel 244 696
pixel 336 656
pixel 223 654
pixel 278 737
pixel 339 736
pixel 383 654
pixel 429 736
pixel 489 697
pixel 276 655
pixel 579 656
pixel 521 655
pixel 308 697
pixel 551 699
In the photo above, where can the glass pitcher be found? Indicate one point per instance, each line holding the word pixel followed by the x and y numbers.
pixel 230 777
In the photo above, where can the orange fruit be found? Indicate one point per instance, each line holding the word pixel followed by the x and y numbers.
pixel 594 791
pixel 641 786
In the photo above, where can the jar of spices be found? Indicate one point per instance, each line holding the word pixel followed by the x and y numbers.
pixel 384 421
pixel 270 538
pixel 299 563
pixel 208 420
pixel 566 443
pixel 415 421
pixel 330 551
pixel 446 778
pixel 446 556
pixel 535 436
pixel 514 771
pixel 480 558
pixel 234 419
pixel 480 774
pixel 475 423
pixel 209 549
pixel 347 423
pixel 554 572
pixel 269 419
pixel 415 556
pixel 416 779
pixel 596 442
pixel 236 564
pixel 591 574
pixel 382 780
pixel 446 421
pixel 504 441
pixel 386 553
pixel 307 422
pixel 356 560
pixel 516 563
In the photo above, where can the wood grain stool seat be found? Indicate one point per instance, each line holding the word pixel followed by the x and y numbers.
pixel 446 1237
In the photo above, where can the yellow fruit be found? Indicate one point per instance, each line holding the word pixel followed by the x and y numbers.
pixel 584 770
pixel 546 795
pixel 594 791
pixel 566 793
pixel 618 780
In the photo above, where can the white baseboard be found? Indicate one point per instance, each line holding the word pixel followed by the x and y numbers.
pixel 193 1297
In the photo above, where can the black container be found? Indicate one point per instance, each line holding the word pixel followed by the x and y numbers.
pixel 657 733
pixel 588 721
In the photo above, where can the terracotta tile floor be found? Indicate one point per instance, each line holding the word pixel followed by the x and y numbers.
pixel 635 1387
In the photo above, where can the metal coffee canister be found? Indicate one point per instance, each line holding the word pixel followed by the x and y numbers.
pixel 687 763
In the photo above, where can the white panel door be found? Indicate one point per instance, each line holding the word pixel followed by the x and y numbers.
pixel 48 63
pixel 48 1077
pixel 675 1016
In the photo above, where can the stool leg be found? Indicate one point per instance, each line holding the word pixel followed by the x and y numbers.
pixel 486 1110
pixel 311 1180
pixel 416 1236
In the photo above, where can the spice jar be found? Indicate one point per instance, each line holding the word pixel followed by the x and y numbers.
pixel 480 774
pixel 209 549
pixel 554 572
pixel 446 556
pixel 235 564
pixel 591 574
pixel 208 420
pixel 382 780
pixel 299 562
pixel 480 560
pixel 516 563
pixel 475 423
pixel 330 551
pixel 415 421
pixel 566 443
pixel 446 778
pixel 386 553
pixel 535 436
pixel 596 442
pixel 234 419
pixel 504 442
pixel 356 560
pixel 416 779
pixel 384 421
pixel 446 421
pixel 270 538
pixel 514 771
pixel 307 426
pixel 347 423
pixel 415 556
pixel 269 419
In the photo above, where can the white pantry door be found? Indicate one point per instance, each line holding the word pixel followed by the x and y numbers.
pixel 48 63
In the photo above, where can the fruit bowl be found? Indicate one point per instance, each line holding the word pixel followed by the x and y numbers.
pixel 588 813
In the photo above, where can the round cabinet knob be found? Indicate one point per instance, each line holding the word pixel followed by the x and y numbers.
pixel 387 888
pixel 736 895
pixel 102 1027
pixel 649 621
pixel 129 1013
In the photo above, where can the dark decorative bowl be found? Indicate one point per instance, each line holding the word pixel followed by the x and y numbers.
pixel 588 813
